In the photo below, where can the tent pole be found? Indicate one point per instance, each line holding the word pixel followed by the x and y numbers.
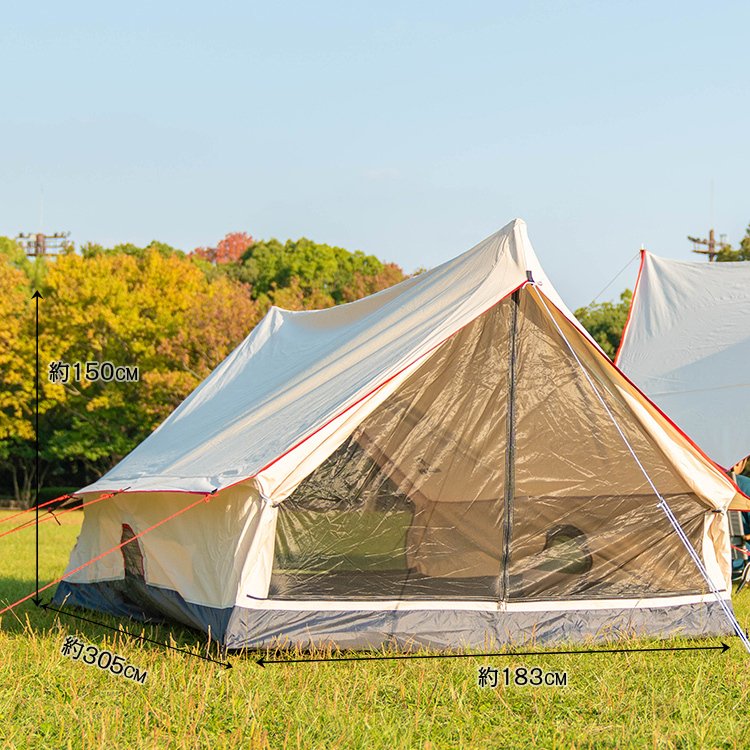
pixel 510 452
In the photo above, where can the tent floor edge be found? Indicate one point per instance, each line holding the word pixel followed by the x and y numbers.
pixel 242 628
pixel 144 603
pixel 442 629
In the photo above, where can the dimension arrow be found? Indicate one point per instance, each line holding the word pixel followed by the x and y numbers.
pixel 36 296
pixel 262 662
pixel 224 664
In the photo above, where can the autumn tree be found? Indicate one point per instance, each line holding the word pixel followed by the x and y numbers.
pixel 362 284
pixel 17 376
pixel 229 250
pixel 153 310
pixel 92 249
pixel 173 316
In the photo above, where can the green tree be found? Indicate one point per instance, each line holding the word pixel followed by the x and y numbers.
pixel 728 253
pixel 15 254
pixel 605 321
pixel 91 249
pixel 313 274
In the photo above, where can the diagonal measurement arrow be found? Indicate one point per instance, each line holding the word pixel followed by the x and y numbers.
pixel 262 662
pixel 224 664
pixel 36 297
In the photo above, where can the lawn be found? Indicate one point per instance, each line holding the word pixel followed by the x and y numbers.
pixel 664 700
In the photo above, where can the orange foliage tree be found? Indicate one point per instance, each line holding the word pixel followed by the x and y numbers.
pixel 228 250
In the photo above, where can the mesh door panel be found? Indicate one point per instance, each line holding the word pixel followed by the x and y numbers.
pixel 411 506
pixel 574 470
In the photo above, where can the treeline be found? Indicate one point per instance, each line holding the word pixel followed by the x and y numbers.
pixel 173 315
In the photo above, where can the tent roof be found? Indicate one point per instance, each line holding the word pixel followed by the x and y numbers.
pixel 687 347
pixel 297 371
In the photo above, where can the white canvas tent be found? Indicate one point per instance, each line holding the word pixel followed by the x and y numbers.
pixel 449 462
pixel 687 347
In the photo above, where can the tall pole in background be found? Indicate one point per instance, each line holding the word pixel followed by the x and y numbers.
pixel 39 244
pixel 713 247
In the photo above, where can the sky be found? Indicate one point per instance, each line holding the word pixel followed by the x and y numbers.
pixel 411 130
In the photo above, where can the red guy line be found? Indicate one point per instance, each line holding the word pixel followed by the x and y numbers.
pixel 29 524
pixel 41 505
pixel 203 499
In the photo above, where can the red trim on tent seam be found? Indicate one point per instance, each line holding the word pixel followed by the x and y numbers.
pixel 206 497
pixel 41 505
pixel 690 441
pixel 632 305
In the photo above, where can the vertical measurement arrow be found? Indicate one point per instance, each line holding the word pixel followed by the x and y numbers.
pixel 36 296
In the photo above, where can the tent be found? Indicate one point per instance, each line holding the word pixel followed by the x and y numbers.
pixel 451 462
pixel 687 346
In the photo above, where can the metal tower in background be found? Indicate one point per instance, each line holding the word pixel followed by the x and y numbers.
pixel 39 244
pixel 713 247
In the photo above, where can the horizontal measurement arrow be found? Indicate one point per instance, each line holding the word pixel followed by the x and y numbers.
pixel 224 664
pixel 262 662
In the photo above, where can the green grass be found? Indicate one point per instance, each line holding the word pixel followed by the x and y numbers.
pixel 664 700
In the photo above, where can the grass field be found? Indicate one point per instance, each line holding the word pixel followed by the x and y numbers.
pixel 47 700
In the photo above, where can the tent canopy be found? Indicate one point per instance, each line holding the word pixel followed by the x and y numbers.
pixel 299 370
pixel 687 347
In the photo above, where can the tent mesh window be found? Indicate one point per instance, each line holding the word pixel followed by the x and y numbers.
pixel 493 473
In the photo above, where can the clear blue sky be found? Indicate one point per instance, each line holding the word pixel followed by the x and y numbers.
pixel 410 130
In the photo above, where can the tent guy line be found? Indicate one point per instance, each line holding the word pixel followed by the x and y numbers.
pixel 62 499
pixel 52 516
pixel 613 279
pixel 35 594
pixel 696 559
